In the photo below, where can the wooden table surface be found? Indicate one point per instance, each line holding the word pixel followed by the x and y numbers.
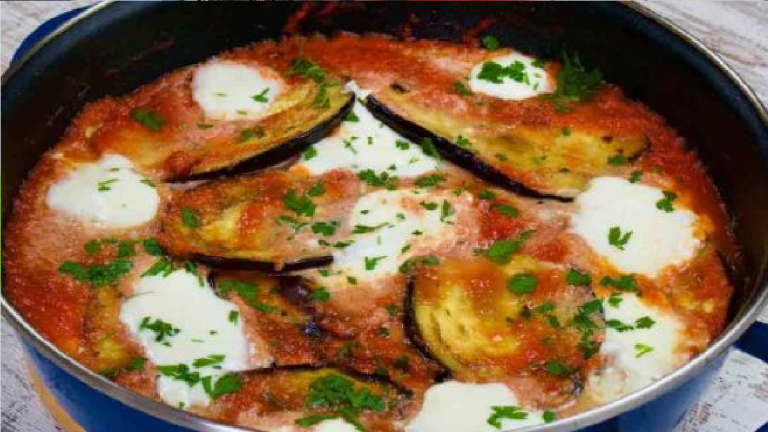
pixel 737 30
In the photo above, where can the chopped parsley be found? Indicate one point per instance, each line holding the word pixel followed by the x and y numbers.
pixel 307 69
pixel 506 209
pixel 614 300
pixel 337 394
pixel 430 180
pixel 582 321
pixel 371 262
pixel 325 228
pixel 495 73
pixel 106 185
pixel 392 309
pixel 566 131
pixel 624 283
pixel 148 118
pixel 665 204
pixel 402 145
pixel 211 360
pixel 618 325
pixel 261 97
pixel 247 291
pixel 644 322
pixel 310 153
pixel 461 89
pixel 501 251
pixel 636 176
pixel 429 149
pixel 617 160
pixel 97 275
pixel 301 205
pixel 446 211
pixel 490 42
pixel 136 364
pixel 249 133
pixel 228 383
pixel 234 316
pixel 575 83
pixel 429 205
pixel 370 177
pixel 642 349
pixel 463 141
pixel 365 229
pixel 410 265
pixel 558 368
pixel 505 412
pixel 190 217
pixel 320 295
pixel 548 416
pixel 160 328
pixel 180 372
pixel 617 238
pixel 577 278
pixel 521 284
pixel 317 190
pixel 351 117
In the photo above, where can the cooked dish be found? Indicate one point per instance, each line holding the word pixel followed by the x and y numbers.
pixel 360 233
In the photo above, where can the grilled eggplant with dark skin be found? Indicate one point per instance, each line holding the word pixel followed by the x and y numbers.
pixel 306 397
pixel 540 162
pixel 274 221
pixel 486 321
pixel 163 129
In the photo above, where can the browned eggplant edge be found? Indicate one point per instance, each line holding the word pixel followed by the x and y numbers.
pixel 412 331
pixel 452 152
pixel 262 266
pixel 278 153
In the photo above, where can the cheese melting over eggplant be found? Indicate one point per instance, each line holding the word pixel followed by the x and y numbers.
pixel 361 142
pixel 226 90
pixel 204 327
pixel 655 238
pixel 461 407
pixel 107 193
pixel 637 357
pixel 521 79
pixel 395 225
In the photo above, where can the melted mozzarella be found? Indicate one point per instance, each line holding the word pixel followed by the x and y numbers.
pixel 232 91
pixel 461 407
pixel 367 144
pixel 335 425
pixel 108 193
pixel 534 80
pixel 659 239
pixel 189 304
pixel 636 358
pixel 405 228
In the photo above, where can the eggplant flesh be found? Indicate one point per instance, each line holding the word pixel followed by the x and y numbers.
pixel 277 140
pixel 464 315
pixel 255 222
pixel 541 162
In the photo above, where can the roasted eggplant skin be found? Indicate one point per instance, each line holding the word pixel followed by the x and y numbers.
pixel 532 174
pixel 257 221
pixel 281 152
pixel 509 326
pixel 262 266
pixel 452 152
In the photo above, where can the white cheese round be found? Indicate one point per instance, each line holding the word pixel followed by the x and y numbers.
pixel 527 80
pixel 658 238
pixel 205 328
pixel 637 357
pixel 227 90
pixel 366 143
pixel 402 227
pixel 108 193
pixel 462 407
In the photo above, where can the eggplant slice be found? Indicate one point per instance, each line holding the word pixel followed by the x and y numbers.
pixel 266 221
pixel 542 162
pixel 286 328
pixel 484 321
pixel 321 393
pixel 277 137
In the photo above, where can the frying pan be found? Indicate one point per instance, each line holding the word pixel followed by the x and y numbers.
pixel 112 48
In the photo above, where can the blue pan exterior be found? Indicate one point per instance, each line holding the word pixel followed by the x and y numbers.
pixel 98 412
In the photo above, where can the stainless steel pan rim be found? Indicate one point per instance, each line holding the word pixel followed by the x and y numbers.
pixel 195 422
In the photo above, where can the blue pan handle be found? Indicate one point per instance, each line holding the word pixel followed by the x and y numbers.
pixel 754 342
